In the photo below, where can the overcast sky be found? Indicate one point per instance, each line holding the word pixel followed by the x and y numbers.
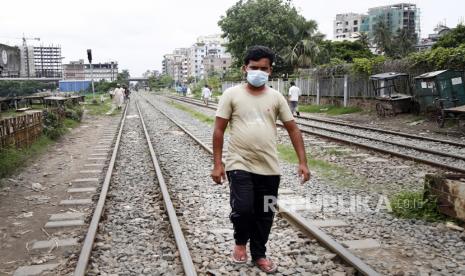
pixel 138 33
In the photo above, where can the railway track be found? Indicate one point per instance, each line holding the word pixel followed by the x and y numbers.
pixel 286 210
pixel 379 238
pixel 445 154
pixel 88 245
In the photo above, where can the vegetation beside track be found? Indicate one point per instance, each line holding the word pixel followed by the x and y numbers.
pixel 97 108
pixel 412 205
pixel 12 158
pixel 199 116
pixel 329 109
pixel 327 171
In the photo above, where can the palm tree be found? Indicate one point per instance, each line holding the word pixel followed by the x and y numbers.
pixel 405 42
pixel 304 52
pixel 363 38
pixel 382 38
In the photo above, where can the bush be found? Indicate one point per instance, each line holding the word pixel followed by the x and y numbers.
pixel 412 205
pixel 366 66
pixel 73 111
pixel 440 58
pixel 53 126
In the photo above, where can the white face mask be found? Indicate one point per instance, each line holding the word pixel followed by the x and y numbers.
pixel 257 78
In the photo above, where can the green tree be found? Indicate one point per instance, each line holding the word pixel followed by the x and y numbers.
pixel 233 74
pixel 123 77
pixel 23 88
pixel 261 22
pixel 452 39
pixel 346 50
pixel 104 86
pixel 403 43
pixel 363 38
pixel 382 38
pixel 304 53
pixel 163 81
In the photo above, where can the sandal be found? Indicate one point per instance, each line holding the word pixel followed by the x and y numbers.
pixel 268 267
pixel 238 261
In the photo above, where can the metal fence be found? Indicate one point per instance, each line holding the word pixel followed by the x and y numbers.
pixel 20 131
pixel 341 87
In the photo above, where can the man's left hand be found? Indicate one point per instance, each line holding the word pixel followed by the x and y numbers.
pixel 304 173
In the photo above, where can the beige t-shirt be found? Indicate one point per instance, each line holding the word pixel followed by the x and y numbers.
pixel 252 121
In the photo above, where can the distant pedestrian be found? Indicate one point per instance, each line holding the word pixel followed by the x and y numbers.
pixel 118 99
pixel 126 93
pixel 189 91
pixel 252 166
pixel 294 93
pixel 206 93
pixel 184 90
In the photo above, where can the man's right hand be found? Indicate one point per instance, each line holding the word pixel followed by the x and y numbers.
pixel 218 174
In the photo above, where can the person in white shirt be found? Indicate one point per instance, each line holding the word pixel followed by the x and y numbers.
pixel 206 93
pixel 118 98
pixel 294 93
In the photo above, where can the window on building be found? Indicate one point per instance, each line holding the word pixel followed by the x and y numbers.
pixel 355 29
pixel 224 68
pixel 224 61
pixel 347 23
pixel 355 22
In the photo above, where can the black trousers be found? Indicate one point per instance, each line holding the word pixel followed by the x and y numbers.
pixel 251 195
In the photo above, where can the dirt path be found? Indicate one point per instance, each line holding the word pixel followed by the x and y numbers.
pixel 25 207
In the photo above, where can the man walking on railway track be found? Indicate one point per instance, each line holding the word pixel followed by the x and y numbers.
pixel 294 93
pixel 206 93
pixel 252 162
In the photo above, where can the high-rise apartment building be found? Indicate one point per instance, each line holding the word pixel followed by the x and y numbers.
pixel 395 17
pixel 41 61
pixel 347 25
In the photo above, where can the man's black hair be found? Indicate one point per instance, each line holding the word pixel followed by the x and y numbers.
pixel 206 85
pixel 292 83
pixel 258 52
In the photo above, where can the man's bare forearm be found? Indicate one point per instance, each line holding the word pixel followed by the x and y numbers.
pixel 217 147
pixel 298 143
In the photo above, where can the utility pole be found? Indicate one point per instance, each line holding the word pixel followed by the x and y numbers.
pixel 89 57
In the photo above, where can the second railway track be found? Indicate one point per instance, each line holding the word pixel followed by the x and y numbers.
pixel 445 154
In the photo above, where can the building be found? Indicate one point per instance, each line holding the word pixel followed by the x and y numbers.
pixel 79 70
pixel 216 64
pixel 107 71
pixel 41 61
pixel 187 63
pixel 347 26
pixel 174 65
pixel 9 61
pixel 397 16
pixel 195 60
pixel 208 50
pixel 427 43
pixel 74 70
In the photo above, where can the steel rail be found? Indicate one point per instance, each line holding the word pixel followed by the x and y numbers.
pixel 398 154
pixel 407 135
pixel 329 121
pixel 295 219
pixel 86 249
pixel 435 152
pixel 186 259
pixel 385 151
